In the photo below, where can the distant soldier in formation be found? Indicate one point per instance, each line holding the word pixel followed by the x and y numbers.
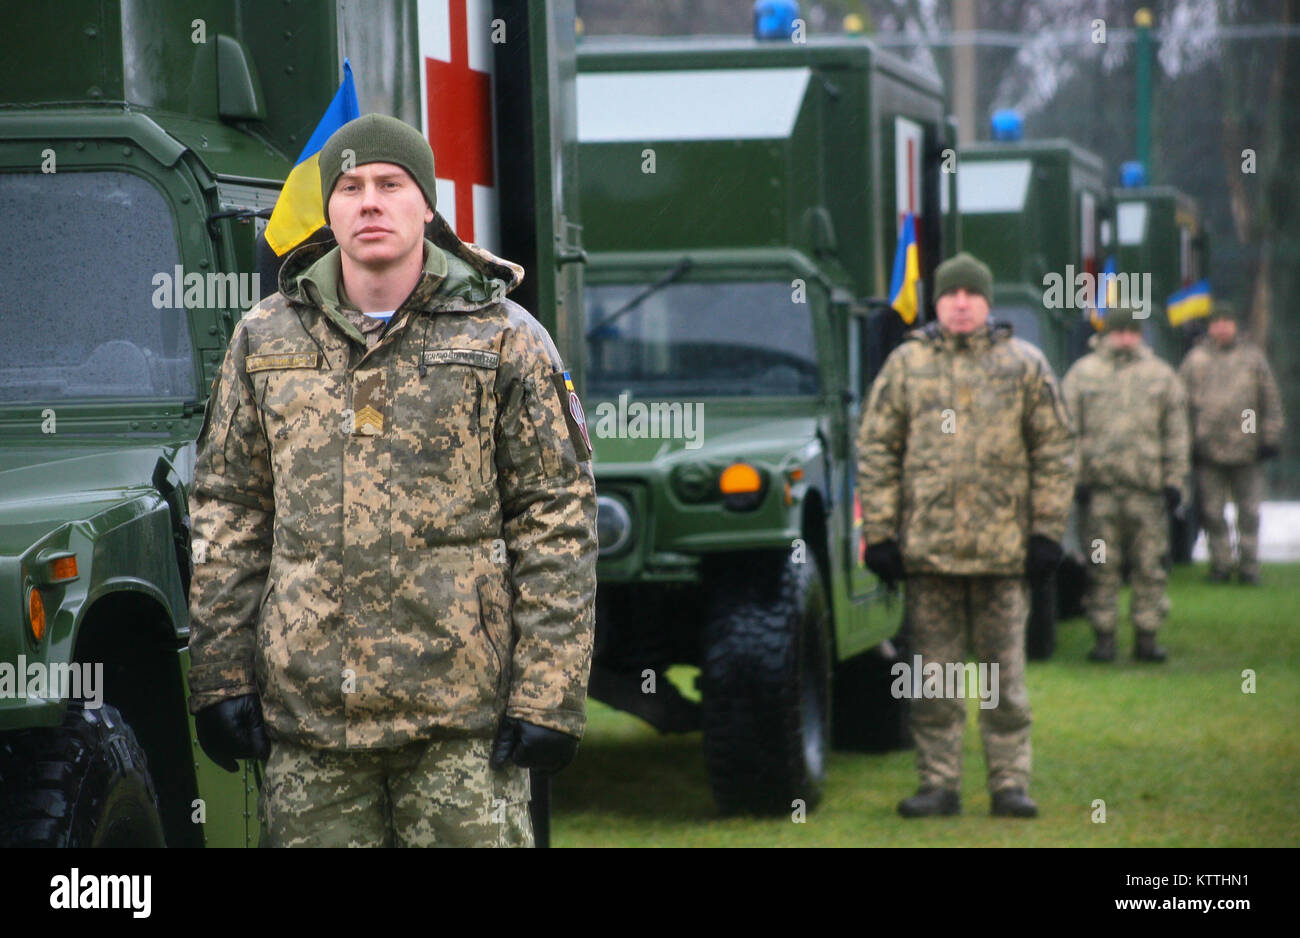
pixel 1237 418
pixel 1130 412
pixel 966 471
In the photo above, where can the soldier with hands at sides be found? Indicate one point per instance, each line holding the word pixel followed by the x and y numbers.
pixel 396 603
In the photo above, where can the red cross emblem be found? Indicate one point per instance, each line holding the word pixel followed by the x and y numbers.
pixel 459 119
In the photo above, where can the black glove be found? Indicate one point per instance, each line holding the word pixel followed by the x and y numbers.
pixel 1082 495
pixel 1173 497
pixel 1268 451
pixel 1044 557
pixel 885 560
pixel 532 747
pixel 233 729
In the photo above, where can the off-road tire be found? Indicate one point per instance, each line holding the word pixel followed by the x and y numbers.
pixel 82 784
pixel 765 681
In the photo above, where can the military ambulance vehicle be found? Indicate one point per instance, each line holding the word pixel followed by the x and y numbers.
pixel 742 202
pixel 142 146
pixel 1033 210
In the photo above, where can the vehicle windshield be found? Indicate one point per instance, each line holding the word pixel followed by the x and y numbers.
pixel 79 254
pixel 713 339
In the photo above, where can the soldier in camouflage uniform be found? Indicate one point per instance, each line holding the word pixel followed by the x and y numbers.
pixel 1130 411
pixel 966 469
pixel 1237 418
pixel 395 515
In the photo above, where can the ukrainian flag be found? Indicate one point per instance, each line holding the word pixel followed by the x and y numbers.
pixel 299 212
pixel 1189 303
pixel 907 272
pixel 1107 291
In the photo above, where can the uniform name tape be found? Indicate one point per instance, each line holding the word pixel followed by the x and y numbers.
pixel 292 360
pixel 478 358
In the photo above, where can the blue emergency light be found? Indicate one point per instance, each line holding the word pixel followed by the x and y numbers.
pixel 774 19
pixel 1132 174
pixel 1008 126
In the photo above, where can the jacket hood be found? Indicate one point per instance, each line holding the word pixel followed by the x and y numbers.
pixel 475 278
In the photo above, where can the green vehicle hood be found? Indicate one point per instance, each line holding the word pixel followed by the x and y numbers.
pixel 726 437
pixel 45 485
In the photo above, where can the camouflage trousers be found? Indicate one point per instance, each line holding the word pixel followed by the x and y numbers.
pixel 434 793
pixel 948 614
pixel 1126 526
pixel 1245 486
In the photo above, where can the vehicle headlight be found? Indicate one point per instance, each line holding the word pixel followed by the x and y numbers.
pixel 613 525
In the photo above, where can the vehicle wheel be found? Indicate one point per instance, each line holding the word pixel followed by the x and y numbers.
pixel 867 717
pixel 1040 634
pixel 83 784
pixel 766 687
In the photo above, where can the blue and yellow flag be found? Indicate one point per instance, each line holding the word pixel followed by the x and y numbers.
pixel 1189 303
pixel 1107 291
pixel 299 212
pixel 907 272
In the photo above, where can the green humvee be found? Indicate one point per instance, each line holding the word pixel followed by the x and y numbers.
pixel 741 203
pixel 141 150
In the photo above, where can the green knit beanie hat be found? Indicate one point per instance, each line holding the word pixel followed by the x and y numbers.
pixel 1119 317
pixel 967 271
pixel 1223 310
pixel 377 138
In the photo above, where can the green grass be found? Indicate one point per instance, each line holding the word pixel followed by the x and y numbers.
pixel 1180 755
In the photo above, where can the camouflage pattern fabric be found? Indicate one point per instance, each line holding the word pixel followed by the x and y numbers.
pixel 1245 486
pixel 383 553
pixel 948 613
pixel 436 793
pixel 1122 525
pixel 965 450
pixel 1223 384
pixel 1130 413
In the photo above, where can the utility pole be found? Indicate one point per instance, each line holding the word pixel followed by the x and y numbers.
pixel 963 71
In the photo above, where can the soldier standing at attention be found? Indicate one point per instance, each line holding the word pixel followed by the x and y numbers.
pixel 966 468
pixel 397 514
pixel 1237 422
pixel 1130 411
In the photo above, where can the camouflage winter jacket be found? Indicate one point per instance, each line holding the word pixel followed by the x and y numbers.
pixel 394 543
pixel 1130 412
pixel 965 450
pixel 1236 407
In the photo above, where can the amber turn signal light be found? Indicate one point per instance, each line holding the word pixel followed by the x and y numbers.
pixel 35 612
pixel 739 479
pixel 63 568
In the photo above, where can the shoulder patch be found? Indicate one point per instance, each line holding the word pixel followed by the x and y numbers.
pixel 574 416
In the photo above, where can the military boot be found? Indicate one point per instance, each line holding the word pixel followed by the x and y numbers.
pixel 1147 649
pixel 1013 802
pixel 1104 650
pixel 929 802
pixel 1248 578
pixel 1218 576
